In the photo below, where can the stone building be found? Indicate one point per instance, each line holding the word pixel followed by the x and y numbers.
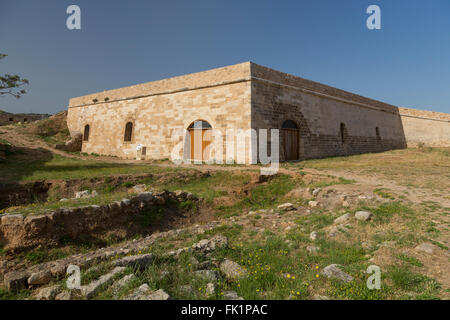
pixel 7 118
pixel 314 120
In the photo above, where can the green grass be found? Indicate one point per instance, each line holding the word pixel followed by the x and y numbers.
pixel 384 193
pixel 411 260
pixel 58 167
pixel 210 187
pixel 384 212
pixel 37 256
pixel 264 195
pixel 14 295
pixel 409 281
pixel 52 205
pixel 149 216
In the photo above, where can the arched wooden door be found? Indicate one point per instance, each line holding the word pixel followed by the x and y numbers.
pixel 290 140
pixel 200 133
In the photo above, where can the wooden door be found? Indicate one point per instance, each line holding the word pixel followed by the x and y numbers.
pixel 200 144
pixel 291 144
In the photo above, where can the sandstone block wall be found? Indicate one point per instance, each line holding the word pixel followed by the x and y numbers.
pixel 220 97
pixel 430 128
pixel 318 111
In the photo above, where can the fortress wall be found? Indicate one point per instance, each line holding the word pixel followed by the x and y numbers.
pixel 430 128
pixel 319 116
pixel 209 78
pixel 155 117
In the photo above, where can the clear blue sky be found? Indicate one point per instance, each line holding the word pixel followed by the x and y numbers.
pixel 406 63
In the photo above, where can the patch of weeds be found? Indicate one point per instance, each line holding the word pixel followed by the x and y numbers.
pixel 356 290
pixel 94 273
pixel 188 205
pixel 431 228
pixel 405 279
pixel 384 193
pixel 411 260
pixel 128 184
pixel 440 245
pixel 14 295
pixel 230 232
pixel 263 195
pixel 150 216
pixel 37 256
pixel 384 212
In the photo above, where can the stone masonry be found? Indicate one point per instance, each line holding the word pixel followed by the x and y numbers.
pixel 245 96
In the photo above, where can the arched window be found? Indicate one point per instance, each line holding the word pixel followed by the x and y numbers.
pixel 289 124
pixel 200 124
pixel 377 131
pixel 86 133
pixel 128 132
pixel 343 131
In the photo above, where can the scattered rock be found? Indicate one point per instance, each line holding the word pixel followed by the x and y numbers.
pixel 286 206
pixel 313 204
pixel 363 215
pixel 144 197
pixel 426 247
pixel 344 218
pixel 315 192
pixel 186 289
pixel 207 245
pixel 140 293
pixel 231 295
pixel 65 295
pixel 15 280
pixel 144 293
pixel 333 271
pixel 159 295
pixel 41 277
pixel 177 253
pixel 232 270
pixel 313 235
pixel 140 261
pixel 210 289
pixel 209 275
pixel 63 200
pixel 345 204
pixel 122 282
pixel 205 265
pixel 48 293
pixel 139 188
pixel 85 194
pixel 91 289
pixel 312 249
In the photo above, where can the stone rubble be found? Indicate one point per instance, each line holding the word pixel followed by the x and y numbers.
pixel 333 271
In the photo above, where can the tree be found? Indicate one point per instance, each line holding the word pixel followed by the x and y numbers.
pixel 10 83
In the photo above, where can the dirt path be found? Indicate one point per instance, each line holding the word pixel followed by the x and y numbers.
pixel 419 195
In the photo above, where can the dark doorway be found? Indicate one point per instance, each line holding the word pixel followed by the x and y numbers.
pixel 290 140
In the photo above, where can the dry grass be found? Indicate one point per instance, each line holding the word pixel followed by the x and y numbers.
pixel 419 167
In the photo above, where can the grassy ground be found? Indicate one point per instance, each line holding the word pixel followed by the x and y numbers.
pixel 272 244
pixel 420 167
pixel 19 168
